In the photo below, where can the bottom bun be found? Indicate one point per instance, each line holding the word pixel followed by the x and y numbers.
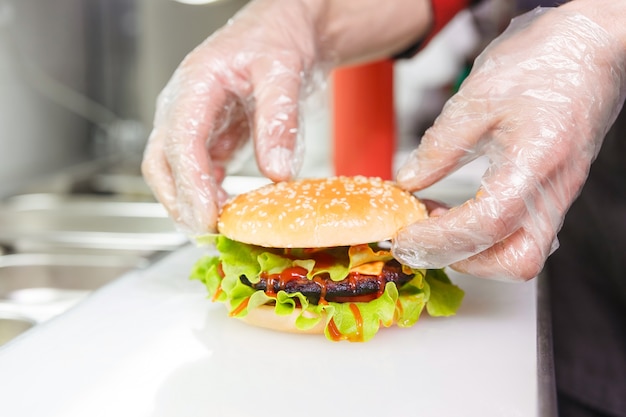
pixel 265 317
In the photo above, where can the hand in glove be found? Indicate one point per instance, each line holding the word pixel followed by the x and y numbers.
pixel 538 104
pixel 248 80
pixel 243 81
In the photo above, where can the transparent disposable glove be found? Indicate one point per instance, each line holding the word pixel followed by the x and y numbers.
pixel 538 102
pixel 246 80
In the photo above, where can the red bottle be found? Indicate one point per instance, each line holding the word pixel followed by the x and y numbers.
pixel 364 131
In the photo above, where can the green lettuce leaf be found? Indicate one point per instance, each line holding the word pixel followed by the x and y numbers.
pixel 359 322
pixel 239 258
pixel 353 321
pixel 207 239
pixel 445 297
pixel 414 297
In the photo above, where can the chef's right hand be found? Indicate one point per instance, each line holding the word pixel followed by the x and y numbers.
pixel 248 80
pixel 244 81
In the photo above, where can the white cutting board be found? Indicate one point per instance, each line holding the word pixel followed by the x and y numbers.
pixel 152 345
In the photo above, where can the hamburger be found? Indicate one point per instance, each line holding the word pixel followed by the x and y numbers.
pixel 312 256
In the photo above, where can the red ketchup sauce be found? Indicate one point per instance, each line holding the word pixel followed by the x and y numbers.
pixel 357 336
pixel 240 307
pixel 218 291
pixel 282 278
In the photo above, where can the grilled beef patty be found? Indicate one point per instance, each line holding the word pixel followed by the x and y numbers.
pixel 355 287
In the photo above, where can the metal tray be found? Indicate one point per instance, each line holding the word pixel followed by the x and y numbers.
pixel 12 325
pixel 37 287
pixel 37 221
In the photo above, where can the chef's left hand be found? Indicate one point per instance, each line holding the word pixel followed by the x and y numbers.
pixel 538 103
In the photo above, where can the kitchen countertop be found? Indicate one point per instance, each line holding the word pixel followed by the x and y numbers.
pixel 151 344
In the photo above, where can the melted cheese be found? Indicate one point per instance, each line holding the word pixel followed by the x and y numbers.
pixel 370 268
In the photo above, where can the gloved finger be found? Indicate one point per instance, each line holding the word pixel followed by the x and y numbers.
pixel 157 174
pixel 521 255
pixel 495 213
pixel 277 137
pixel 435 208
pixel 518 257
pixel 183 123
pixel 508 229
pixel 461 232
pixel 451 142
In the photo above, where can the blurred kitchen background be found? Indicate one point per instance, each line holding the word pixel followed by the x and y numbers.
pixel 79 78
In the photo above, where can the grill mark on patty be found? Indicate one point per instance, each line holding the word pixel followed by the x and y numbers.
pixel 354 285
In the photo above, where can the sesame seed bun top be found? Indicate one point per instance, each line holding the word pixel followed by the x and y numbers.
pixel 321 212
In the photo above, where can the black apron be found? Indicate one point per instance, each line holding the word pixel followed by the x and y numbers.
pixel 587 283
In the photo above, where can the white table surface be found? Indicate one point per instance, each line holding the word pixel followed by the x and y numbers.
pixel 151 344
